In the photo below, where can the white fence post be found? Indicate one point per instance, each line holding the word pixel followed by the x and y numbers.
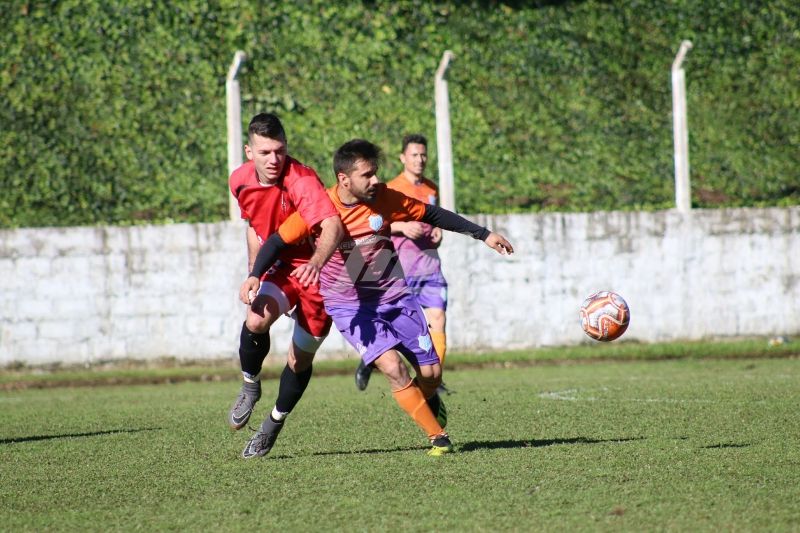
pixel 443 143
pixel 683 195
pixel 234 117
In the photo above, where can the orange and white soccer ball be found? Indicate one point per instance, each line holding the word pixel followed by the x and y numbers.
pixel 605 316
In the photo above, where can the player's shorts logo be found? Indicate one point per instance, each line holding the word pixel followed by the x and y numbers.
pixel 375 222
pixel 425 342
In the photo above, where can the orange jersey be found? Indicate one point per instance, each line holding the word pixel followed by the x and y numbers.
pixel 418 256
pixel 364 268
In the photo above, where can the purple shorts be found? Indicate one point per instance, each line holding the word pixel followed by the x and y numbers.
pixel 373 331
pixel 431 291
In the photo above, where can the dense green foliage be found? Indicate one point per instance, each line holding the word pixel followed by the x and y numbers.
pixel 665 446
pixel 114 112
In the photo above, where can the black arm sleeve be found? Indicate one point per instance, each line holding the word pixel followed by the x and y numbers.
pixel 267 255
pixel 442 218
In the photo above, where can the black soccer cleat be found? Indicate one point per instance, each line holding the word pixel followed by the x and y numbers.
pixel 441 389
pixel 363 373
pixel 440 445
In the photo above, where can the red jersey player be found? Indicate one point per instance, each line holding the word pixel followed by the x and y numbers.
pixel 269 188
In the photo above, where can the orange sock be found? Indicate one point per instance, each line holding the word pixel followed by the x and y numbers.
pixel 439 339
pixel 412 401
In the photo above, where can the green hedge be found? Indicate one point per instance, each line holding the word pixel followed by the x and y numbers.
pixel 115 113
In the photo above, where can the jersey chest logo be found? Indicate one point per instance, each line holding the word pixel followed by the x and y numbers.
pixel 432 199
pixel 375 222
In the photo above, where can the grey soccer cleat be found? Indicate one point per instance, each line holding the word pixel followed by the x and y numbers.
pixel 363 373
pixel 261 443
pixel 244 404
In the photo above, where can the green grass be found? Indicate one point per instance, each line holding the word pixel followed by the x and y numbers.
pixel 690 445
pixel 171 370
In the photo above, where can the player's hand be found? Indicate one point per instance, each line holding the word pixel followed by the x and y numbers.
pixel 413 230
pixel 249 290
pixel 307 274
pixel 497 242
pixel 436 236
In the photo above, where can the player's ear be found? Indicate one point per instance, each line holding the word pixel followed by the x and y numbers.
pixel 248 152
pixel 341 177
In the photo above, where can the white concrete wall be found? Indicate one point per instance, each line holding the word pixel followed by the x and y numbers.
pixel 86 295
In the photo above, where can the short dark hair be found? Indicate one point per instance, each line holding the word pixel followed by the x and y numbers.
pixel 266 125
pixel 414 138
pixel 351 152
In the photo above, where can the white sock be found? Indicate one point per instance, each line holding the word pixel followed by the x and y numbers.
pixel 249 378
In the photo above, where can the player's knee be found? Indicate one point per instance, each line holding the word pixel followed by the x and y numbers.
pixel 257 324
pixel 393 368
pixel 430 372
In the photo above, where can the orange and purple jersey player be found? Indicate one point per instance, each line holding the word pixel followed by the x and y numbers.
pixel 417 246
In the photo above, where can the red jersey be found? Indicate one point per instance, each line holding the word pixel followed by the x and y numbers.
pixel 267 206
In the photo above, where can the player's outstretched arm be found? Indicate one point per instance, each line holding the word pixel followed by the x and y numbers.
pixel 442 218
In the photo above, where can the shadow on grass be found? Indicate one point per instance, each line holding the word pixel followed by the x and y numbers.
pixel 357 452
pixel 726 445
pixel 33 438
pixel 502 444
pixel 475 445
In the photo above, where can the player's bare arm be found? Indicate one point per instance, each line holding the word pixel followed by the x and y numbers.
pixel 252 246
pixel 332 231
pixel 436 236
pixel 411 229
pixel 497 242
pixel 249 289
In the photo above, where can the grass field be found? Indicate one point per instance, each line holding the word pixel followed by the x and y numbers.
pixel 687 445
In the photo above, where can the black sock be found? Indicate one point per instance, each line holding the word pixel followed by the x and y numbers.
pixel 253 349
pixel 291 388
pixel 434 402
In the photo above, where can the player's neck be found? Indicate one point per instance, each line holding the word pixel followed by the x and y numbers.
pixel 345 196
pixel 413 179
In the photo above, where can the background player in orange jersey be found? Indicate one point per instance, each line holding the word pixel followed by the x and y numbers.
pixel 416 244
pixel 270 187
pixel 364 287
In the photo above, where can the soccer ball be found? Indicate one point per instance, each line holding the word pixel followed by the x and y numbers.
pixel 605 316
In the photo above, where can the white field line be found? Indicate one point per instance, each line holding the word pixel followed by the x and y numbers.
pixel 572 395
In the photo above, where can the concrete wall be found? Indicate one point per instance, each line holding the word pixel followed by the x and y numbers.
pixel 86 295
